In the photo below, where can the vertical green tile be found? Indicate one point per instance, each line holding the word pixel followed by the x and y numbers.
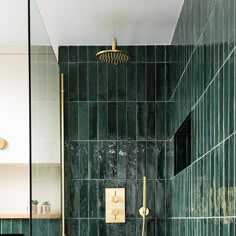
pixel 73 121
pixel 64 68
pixel 141 120
pixel 122 124
pixel 63 54
pixel 92 81
pixel 121 160
pixel 112 120
pixel 83 199
pixel 74 227
pixel 25 227
pixel 131 163
pixel 83 160
pixel 112 82
pixel 131 121
pixel 151 152
pixel 141 159
pixel 73 82
pixel 93 118
pixel 150 81
pixel 83 121
pixel 6 226
pixel 131 82
pixel 93 160
pixel 102 78
pixel 73 55
pixel 141 53
pixel 92 51
pixel 130 196
pixel 103 152
pixel 112 160
pixel 74 164
pixel 83 53
pixel 83 81
pixel 150 54
pixel 141 82
pixel 121 83
pixel 160 82
pixel 151 128
pixel 16 226
pixel 160 121
pixel 102 121
pixel 83 227
pixel 132 53
pixel 54 227
pixel 93 227
pixel 74 198
pixel 93 199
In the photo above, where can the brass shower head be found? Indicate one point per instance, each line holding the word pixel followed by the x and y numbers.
pixel 113 56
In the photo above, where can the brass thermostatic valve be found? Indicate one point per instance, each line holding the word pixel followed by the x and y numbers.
pixel 3 143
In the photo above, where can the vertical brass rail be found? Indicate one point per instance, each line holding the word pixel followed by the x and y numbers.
pixel 62 157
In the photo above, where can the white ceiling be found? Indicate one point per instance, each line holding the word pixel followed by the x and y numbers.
pixel 96 22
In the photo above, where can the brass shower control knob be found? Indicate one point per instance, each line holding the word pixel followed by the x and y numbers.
pixel 115 212
pixel 115 199
pixel 3 143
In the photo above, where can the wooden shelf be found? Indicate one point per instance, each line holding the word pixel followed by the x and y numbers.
pixel 27 216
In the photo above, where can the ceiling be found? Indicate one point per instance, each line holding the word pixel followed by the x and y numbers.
pixel 96 22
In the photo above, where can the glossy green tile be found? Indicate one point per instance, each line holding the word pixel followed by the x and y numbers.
pixel 151 123
pixel 93 199
pixel 131 162
pixel 131 120
pixel 121 160
pixel 83 160
pixel 83 53
pixel 74 198
pixel 54 227
pixel 63 54
pixel 160 206
pixel 160 82
pixel 141 159
pixel 102 121
pixel 92 81
pixel 83 81
pixel 83 121
pixel 73 54
pixel 160 53
pixel 160 121
pixel 122 83
pixel 141 120
pixel 16 226
pixel 74 227
pixel 131 81
pixel 93 160
pixel 92 51
pixel 150 81
pixel 102 78
pixel 141 82
pixel 103 152
pixel 112 120
pixel 6 226
pixel 74 164
pixel 122 121
pixel 25 227
pixel 132 50
pixel 64 68
pixel 141 54
pixel 73 82
pixel 93 227
pixel 93 118
pixel 112 160
pixel 112 82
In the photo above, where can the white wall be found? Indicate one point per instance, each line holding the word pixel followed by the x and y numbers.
pixel 14 185
pixel 14 105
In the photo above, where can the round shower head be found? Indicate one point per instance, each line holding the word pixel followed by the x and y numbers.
pixel 113 56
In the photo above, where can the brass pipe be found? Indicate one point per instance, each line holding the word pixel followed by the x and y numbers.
pixel 62 157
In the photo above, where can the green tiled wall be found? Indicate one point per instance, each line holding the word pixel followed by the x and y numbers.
pixel 14 226
pixel 201 79
pixel 115 134
pixel 41 227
